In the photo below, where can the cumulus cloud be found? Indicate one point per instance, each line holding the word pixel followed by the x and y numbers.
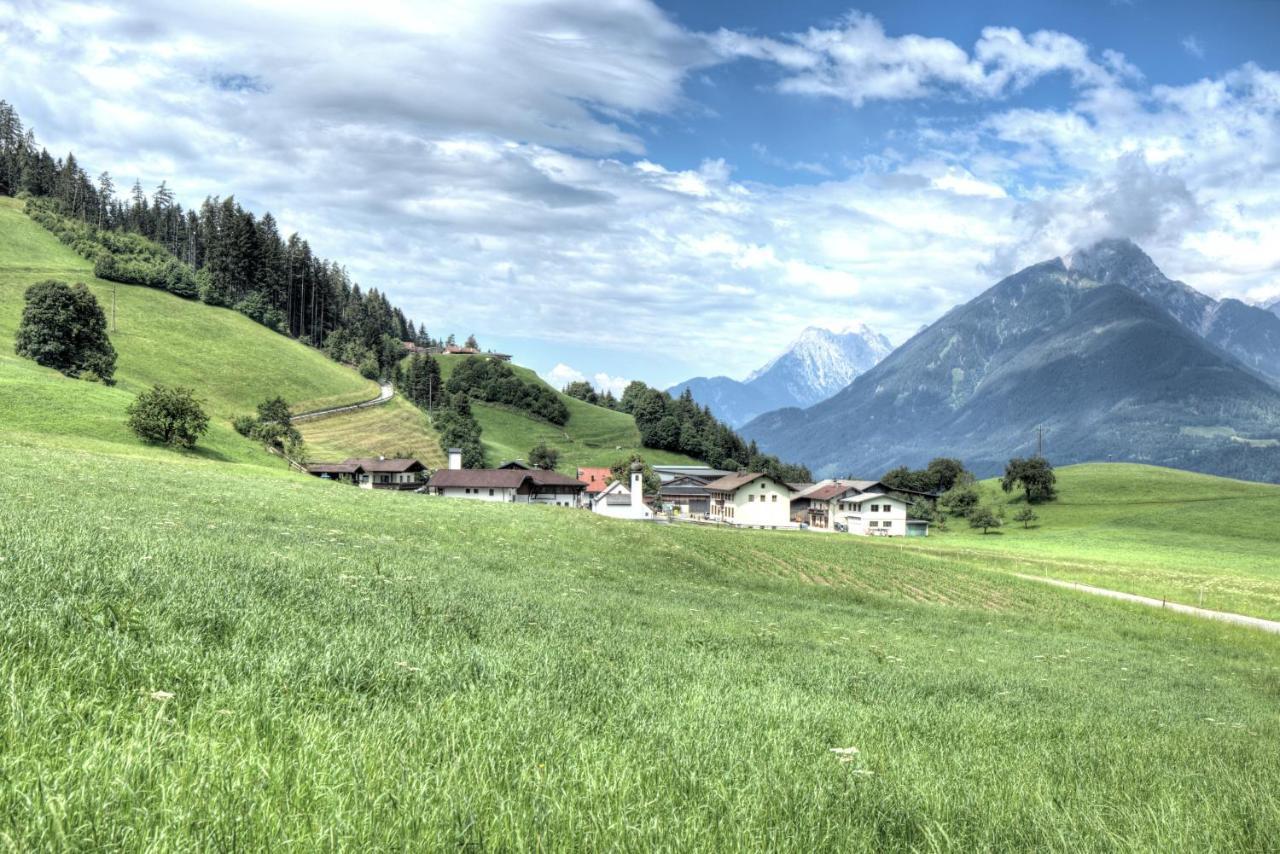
pixel 485 163
pixel 858 61
pixel 561 375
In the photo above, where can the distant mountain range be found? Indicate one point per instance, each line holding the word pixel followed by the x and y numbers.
pixel 1275 307
pixel 815 366
pixel 1116 360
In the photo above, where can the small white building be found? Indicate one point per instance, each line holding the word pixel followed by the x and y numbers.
pixel 620 502
pixel 875 514
pixel 752 500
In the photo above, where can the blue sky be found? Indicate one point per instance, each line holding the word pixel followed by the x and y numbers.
pixel 623 189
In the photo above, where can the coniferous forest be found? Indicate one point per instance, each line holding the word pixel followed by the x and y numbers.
pixel 219 253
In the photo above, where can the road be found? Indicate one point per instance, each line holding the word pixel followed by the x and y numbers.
pixel 1225 616
pixel 385 393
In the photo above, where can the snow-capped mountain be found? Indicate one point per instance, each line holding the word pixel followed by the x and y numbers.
pixel 815 366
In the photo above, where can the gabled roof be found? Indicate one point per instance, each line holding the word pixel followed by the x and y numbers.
pixel 499 478
pixel 734 482
pixel 332 468
pixel 516 464
pixel 825 491
pixel 684 486
pixel 392 466
pixel 596 479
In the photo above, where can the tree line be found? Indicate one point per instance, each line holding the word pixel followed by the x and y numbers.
pixel 219 253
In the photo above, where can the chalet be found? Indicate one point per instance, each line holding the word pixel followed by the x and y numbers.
pixel 516 484
pixel 621 502
pixel 751 500
pixel 811 505
pixel 373 473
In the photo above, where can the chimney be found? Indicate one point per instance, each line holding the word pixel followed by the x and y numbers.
pixel 455 459
pixel 637 487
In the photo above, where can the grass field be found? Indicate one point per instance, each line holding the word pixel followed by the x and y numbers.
pixel 1187 537
pixel 231 362
pixel 594 436
pixel 278 662
pixel 394 429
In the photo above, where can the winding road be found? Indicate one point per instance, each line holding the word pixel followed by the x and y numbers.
pixel 385 393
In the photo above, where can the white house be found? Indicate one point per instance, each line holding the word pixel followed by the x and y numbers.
pixel 619 502
pixel 875 514
pixel 751 500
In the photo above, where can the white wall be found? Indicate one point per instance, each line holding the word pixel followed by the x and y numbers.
pixel 889 516
pixel 477 493
pixel 763 501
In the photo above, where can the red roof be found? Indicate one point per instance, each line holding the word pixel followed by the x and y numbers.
pixel 596 479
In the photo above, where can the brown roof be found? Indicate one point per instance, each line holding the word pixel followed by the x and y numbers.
pixel 734 482
pixel 499 478
pixel 332 468
pixel 831 490
pixel 386 466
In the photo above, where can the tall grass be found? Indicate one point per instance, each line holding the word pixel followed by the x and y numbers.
pixel 195 657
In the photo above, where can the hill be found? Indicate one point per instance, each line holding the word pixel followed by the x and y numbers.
pixel 593 435
pixel 231 361
pixel 276 658
pixel 1112 376
pixel 815 366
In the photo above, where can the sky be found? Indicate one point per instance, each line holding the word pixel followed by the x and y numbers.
pixel 623 189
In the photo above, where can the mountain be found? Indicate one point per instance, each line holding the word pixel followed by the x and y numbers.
pixel 1249 333
pixel 1274 308
pixel 815 366
pixel 1111 374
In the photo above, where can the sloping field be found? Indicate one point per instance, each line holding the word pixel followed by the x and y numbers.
pixel 594 436
pixel 1187 537
pixel 269 662
pixel 231 361
pixel 394 429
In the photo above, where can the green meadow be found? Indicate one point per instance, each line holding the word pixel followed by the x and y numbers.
pixel 203 650
pixel 1186 537
pixel 201 656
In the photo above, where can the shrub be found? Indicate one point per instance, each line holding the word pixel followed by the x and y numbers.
pixel 985 518
pixel 543 456
pixel 168 416
pixel 63 327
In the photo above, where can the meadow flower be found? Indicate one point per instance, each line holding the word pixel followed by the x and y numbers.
pixel 162 696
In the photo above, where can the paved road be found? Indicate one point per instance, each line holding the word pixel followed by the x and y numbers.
pixel 385 393
pixel 1239 619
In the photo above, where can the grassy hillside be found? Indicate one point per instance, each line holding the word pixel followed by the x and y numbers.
pixel 394 429
pixel 231 362
pixel 262 660
pixel 594 436
pixel 1187 537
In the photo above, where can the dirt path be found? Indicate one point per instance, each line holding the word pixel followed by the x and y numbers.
pixel 385 393
pixel 1226 617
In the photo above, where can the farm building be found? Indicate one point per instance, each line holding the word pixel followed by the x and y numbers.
pixel 751 500
pixel 374 473
pixel 596 479
pixel 513 484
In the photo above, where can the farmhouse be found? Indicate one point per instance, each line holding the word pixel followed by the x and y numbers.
pixel 875 514
pixel 516 484
pixel 620 502
pixel 373 473
pixel 751 500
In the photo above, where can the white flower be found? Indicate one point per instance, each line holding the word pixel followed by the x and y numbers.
pixel 162 696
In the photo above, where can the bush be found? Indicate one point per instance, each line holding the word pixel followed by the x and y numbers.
pixel 168 416
pixel 244 424
pixel 543 456
pixel 63 327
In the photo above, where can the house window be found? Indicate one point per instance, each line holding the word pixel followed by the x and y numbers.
pixel 491 492
pixel 887 524
pixel 873 524
pixel 875 508
pixel 751 498
pixel 775 499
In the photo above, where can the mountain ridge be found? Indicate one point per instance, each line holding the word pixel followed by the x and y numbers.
pixel 1113 374
pixel 817 364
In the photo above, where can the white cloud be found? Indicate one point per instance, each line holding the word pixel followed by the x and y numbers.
pixel 486 167
pixel 1192 45
pixel 561 375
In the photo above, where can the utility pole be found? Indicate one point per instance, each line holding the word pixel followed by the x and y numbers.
pixel 113 306
pixel 1040 441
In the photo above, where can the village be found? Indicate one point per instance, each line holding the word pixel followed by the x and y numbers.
pixel 686 493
